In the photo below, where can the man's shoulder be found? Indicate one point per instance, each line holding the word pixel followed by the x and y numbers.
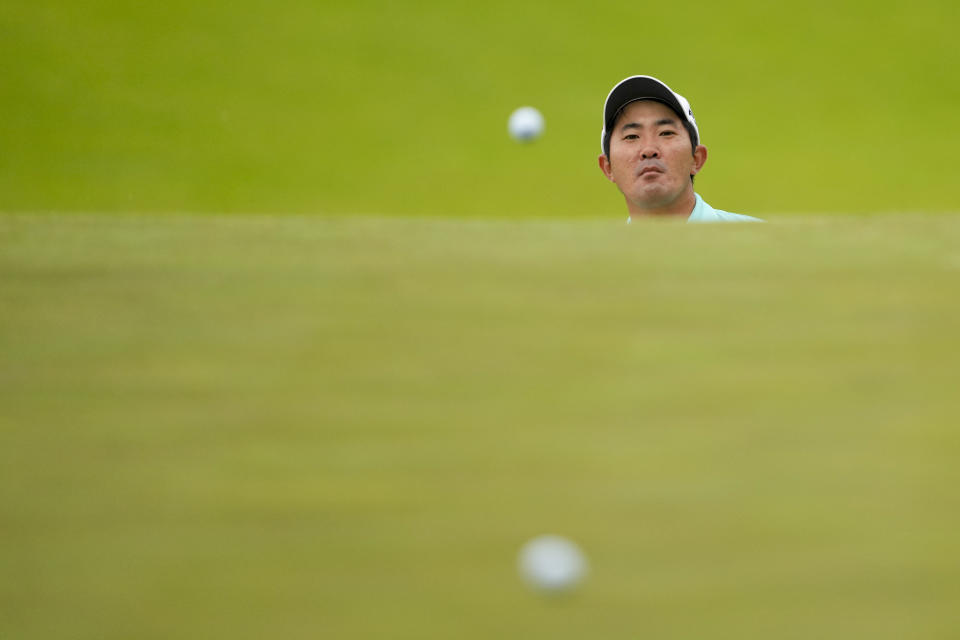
pixel 726 216
pixel 703 212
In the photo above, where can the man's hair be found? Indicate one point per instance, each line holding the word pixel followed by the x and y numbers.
pixel 693 145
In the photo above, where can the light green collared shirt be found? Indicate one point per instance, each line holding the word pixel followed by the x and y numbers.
pixel 702 212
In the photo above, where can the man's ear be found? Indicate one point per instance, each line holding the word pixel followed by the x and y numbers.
pixel 604 162
pixel 699 159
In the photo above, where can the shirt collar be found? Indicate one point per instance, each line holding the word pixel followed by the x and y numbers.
pixel 700 210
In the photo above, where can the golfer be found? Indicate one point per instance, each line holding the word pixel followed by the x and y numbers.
pixel 652 151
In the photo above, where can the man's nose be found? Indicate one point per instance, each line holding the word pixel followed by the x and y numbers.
pixel 649 152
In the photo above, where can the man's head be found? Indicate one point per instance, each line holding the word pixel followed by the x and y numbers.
pixel 651 147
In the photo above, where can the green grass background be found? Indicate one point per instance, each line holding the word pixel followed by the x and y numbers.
pixel 399 108
pixel 345 426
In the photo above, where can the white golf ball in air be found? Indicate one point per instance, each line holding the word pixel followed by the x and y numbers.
pixel 525 124
pixel 552 563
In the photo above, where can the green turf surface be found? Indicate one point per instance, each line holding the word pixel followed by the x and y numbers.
pixel 303 427
pixel 401 107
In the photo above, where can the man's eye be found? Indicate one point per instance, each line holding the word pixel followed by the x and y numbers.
pixel 631 136
pixel 668 133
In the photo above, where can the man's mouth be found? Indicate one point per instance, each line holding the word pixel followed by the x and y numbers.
pixel 647 170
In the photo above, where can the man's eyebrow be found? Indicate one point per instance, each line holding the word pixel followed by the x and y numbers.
pixel 659 123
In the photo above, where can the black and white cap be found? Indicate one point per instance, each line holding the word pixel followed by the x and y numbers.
pixel 642 88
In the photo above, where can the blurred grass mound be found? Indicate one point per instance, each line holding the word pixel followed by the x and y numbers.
pixel 345 427
pixel 400 108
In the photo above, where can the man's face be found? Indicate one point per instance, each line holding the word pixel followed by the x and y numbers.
pixel 651 159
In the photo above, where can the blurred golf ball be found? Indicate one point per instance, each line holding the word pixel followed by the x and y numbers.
pixel 552 563
pixel 525 124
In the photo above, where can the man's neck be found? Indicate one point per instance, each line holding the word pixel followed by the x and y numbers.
pixel 682 207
